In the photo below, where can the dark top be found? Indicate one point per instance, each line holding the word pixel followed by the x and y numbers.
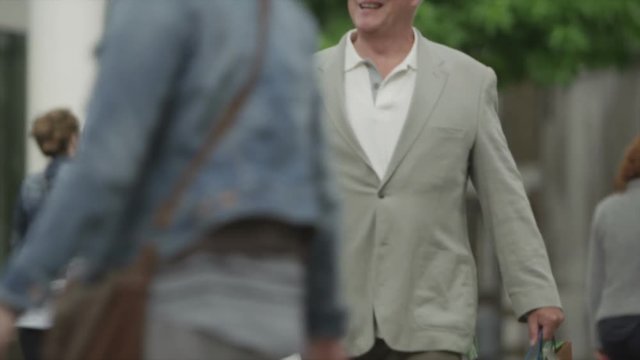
pixel 33 192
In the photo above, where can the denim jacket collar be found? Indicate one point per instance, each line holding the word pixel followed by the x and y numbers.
pixel 52 169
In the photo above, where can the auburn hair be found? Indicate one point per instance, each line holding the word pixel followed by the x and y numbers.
pixel 630 167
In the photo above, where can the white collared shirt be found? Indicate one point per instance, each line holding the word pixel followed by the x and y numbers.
pixel 377 108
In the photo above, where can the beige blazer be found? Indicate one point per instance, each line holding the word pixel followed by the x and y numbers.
pixel 406 256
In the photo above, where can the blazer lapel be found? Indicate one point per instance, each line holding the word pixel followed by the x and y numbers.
pixel 332 75
pixel 430 82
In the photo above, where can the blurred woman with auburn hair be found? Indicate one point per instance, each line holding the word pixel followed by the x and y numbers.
pixel 630 168
pixel 614 265
pixel 56 133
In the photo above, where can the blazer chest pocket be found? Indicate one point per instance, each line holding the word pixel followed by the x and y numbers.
pixel 443 156
pixel 445 132
pixel 445 143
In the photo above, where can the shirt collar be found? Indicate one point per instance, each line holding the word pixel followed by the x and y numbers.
pixel 354 60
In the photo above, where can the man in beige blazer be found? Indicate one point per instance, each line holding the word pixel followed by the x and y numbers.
pixel 411 122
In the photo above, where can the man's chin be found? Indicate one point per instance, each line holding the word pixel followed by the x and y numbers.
pixel 367 27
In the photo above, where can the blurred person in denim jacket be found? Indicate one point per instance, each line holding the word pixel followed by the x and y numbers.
pixel 164 65
pixel 613 276
pixel 56 134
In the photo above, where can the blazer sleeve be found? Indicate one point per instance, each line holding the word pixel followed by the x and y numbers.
pixel 522 257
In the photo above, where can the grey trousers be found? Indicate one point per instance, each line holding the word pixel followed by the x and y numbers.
pixel 381 351
pixel 166 340
pixel 216 307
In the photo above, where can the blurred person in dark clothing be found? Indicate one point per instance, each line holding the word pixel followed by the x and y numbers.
pixel 614 266
pixel 56 134
pixel 168 69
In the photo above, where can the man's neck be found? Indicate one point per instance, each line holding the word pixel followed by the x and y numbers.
pixel 386 51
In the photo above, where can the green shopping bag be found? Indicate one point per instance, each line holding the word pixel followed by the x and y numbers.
pixel 549 350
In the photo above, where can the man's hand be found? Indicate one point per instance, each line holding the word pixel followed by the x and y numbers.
pixel 7 330
pixel 600 355
pixel 325 349
pixel 549 318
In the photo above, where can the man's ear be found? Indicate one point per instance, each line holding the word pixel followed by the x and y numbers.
pixel 416 3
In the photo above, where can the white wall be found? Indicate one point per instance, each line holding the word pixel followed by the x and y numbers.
pixel 63 35
pixel 13 15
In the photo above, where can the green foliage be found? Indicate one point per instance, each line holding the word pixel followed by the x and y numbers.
pixel 547 41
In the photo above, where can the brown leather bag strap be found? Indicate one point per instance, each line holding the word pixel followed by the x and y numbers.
pixel 164 213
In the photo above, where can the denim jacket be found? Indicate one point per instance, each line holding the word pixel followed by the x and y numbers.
pixel 164 65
